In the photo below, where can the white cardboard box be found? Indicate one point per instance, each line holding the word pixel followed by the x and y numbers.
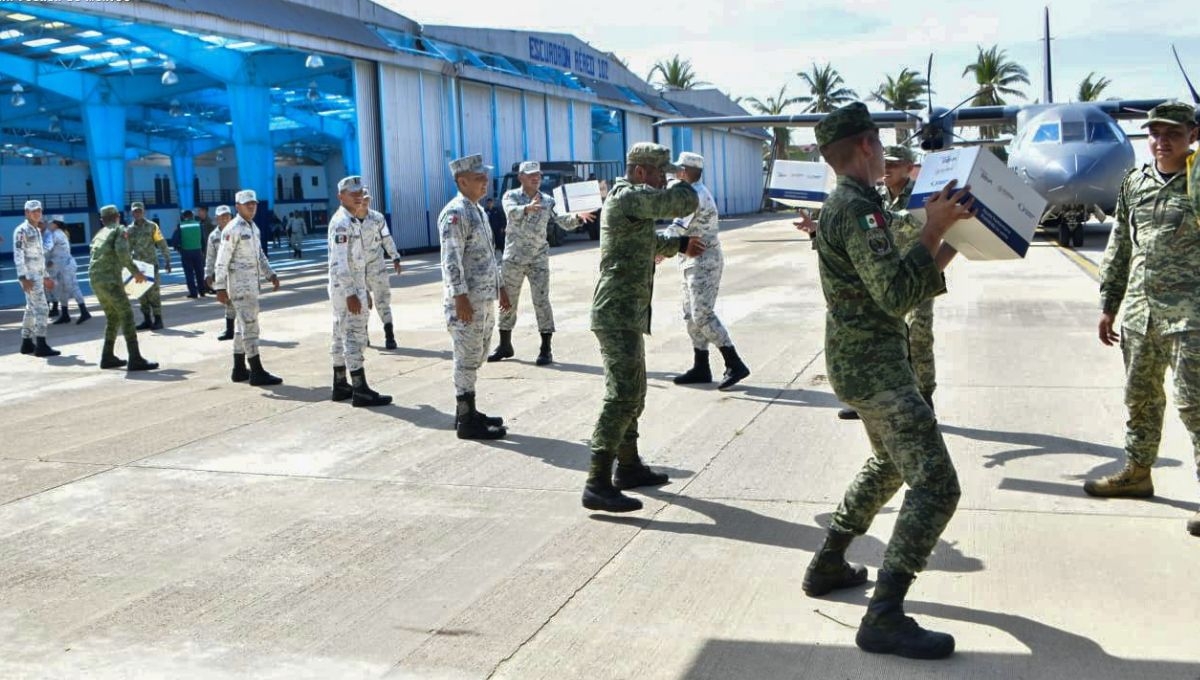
pixel 134 289
pixel 1007 210
pixel 577 197
pixel 800 184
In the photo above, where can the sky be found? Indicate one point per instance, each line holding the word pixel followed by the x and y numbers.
pixel 753 47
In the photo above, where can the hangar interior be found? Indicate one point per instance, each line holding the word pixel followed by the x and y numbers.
pixel 180 103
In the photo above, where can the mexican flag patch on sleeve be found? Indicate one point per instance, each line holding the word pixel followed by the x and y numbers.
pixel 872 220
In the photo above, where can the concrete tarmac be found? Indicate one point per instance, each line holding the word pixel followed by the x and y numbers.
pixel 173 524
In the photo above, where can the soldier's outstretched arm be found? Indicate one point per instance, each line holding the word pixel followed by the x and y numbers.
pixel 661 204
pixel 512 210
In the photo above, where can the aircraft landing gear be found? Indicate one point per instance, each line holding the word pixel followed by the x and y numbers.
pixel 1070 226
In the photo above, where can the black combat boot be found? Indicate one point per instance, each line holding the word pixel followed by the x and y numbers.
pixel 84 314
pixel 27 346
pixel 544 356
pixel 829 569
pixel 53 308
pixel 65 317
pixel 240 372
pixel 735 369
pixel 41 349
pixel 108 359
pixel 886 630
pixel 157 323
pixel 137 362
pixel 490 420
pixel 847 414
pixel 341 387
pixel 363 394
pixel 504 350
pixel 228 335
pixel 700 372
pixel 389 341
pixel 599 492
pixel 259 375
pixel 470 424
pixel 147 323
pixel 632 472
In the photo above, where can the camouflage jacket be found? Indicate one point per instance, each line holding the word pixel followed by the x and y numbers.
pixel 144 238
pixel 1194 181
pixel 29 252
pixel 1150 262
pixel 468 253
pixel 869 286
pixel 240 256
pixel 525 236
pixel 704 223
pixel 628 244
pixel 110 254
pixel 905 228
pixel 347 256
pixel 377 241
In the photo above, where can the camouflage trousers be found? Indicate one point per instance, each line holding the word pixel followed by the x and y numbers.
pixel 1146 360
pixel 118 316
pixel 624 357
pixel 920 346
pixel 151 301
pixel 245 311
pixel 349 333
pixel 701 282
pixel 379 283
pixel 907 449
pixel 66 285
pixel 538 273
pixel 470 342
pixel 229 313
pixel 37 310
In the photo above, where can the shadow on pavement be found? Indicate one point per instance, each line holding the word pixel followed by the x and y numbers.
pixel 1052 653
pixel 1076 491
pixel 1035 444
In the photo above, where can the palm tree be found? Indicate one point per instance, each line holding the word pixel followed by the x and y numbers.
pixel 827 91
pixel 995 75
pixel 774 106
pixel 904 93
pixel 676 74
pixel 1089 90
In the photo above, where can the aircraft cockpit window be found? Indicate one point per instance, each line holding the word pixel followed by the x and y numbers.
pixel 1046 132
pixel 1100 132
pixel 1072 131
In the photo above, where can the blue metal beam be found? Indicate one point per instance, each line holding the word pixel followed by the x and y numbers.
pixel 250 106
pixel 64 149
pixel 76 85
pixel 106 150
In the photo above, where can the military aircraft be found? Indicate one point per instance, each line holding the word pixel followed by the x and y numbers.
pixel 1075 154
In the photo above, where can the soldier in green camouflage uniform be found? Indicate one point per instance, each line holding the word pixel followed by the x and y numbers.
pixel 621 314
pixel 869 285
pixel 895 191
pixel 1150 266
pixel 144 238
pixel 110 254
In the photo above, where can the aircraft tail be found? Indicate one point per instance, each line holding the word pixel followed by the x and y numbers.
pixel 1048 86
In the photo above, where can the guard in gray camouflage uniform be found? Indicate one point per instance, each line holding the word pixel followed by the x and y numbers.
pixel 61 266
pixel 701 281
pixel 224 217
pixel 29 256
pixel 348 294
pixel 527 255
pixel 241 264
pixel 378 243
pixel 470 280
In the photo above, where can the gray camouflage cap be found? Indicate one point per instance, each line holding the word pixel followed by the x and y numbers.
pixel 899 153
pixel 845 122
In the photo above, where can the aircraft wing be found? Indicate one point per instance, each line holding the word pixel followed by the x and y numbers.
pixel 1128 109
pixel 886 119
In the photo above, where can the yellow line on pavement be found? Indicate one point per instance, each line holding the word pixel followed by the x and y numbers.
pixel 1090 268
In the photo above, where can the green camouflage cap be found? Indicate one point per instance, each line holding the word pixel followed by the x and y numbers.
pixel 847 121
pixel 899 153
pixel 109 211
pixel 137 205
pixel 653 155
pixel 1171 113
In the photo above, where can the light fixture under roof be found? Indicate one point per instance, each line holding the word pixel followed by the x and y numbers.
pixel 41 42
pixel 312 94
pixel 18 96
pixel 176 108
pixel 314 61
pixel 70 49
pixel 169 77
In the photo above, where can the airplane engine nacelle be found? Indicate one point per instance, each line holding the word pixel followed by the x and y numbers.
pixel 938 133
